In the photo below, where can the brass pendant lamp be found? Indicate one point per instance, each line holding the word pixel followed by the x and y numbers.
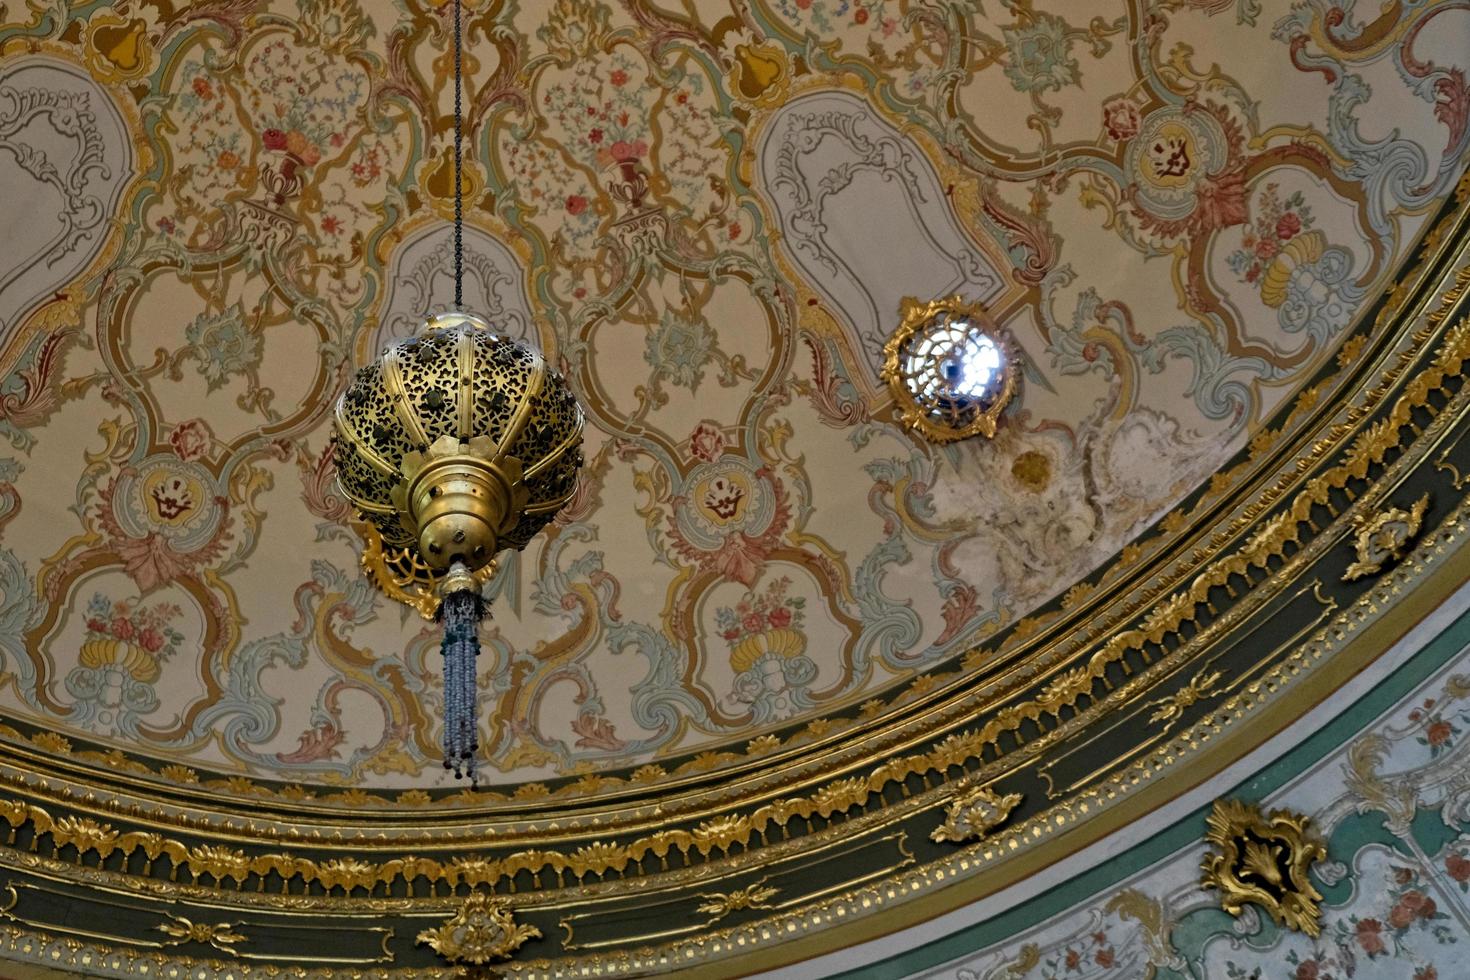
pixel 453 445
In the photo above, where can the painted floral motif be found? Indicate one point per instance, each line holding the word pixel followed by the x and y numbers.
pixel 737 517
pixel 767 651
pixel 299 99
pixel 706 443
pixel 121 660
pixel 223 345
pixel 680 348
pixel 191 439
pixel 1434 731
pixel 1041 55
pixel 1190 165
pixel 1121 119
pixel 163 519
pixel 1276 223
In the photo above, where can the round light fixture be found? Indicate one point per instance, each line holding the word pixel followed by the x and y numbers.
pixel 950 369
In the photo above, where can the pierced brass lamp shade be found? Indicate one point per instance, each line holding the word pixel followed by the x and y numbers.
pixel 454 445
pixel 458 443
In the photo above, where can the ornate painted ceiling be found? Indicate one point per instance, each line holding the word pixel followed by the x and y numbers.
pixel 1223 238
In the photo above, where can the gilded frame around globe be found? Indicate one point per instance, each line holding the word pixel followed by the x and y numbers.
pixel 916 316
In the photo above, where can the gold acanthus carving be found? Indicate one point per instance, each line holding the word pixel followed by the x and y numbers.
pixel 1384 537
pixel 1265 859
pixel 482 931
pixel 974 813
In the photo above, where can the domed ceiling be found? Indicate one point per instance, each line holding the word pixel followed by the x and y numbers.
pixel 773 621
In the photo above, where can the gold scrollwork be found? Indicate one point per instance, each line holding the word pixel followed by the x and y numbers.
pixel 756 895
pixel 221 935
pixel 1173 706
pixel 1384 537
pixel 974 813
pixel 483 930
pixel 1264 859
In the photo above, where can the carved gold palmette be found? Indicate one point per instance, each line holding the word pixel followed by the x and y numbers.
pixel 975 812
pixel 482 931
pixel 1384 537
pixel 1265 859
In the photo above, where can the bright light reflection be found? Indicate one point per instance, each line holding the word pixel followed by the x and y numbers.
pixel 954 360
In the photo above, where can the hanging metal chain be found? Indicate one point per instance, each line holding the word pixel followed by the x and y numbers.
pixel 458 163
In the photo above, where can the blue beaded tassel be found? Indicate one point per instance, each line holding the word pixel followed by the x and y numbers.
pixel 461 612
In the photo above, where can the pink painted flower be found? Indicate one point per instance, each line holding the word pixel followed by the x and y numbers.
pixel 273 139
pixel 618 78
pixel 576 204
pixel 595 136
pixel 151 640
pixel 1267 249
pixel 1120 119
pixel 1413 905
pixel 331 224
pixel 122 628
pixel 1306 970
pixel 1369 934
pixel 1288 224
pixel 860 16
pixel 1439 733
pixel 731 634
pixel 1458 867
pixel 228 160
pixel 753 623
pixel 191 439
pixel 624 151
pixel 203 89
pixel 780 617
